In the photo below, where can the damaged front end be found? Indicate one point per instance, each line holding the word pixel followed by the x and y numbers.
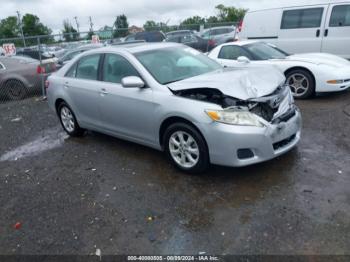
pixel 274 108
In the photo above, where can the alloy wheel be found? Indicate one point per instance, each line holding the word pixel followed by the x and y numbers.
pixel 67 119
pixel 184 149
pixel 299 84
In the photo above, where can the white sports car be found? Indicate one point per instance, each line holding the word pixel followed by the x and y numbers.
pixel 306 74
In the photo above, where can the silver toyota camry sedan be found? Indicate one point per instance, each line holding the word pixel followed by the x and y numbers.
pixel 173 98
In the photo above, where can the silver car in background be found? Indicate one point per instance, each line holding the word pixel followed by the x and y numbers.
pixel 222 34
pixel 173 98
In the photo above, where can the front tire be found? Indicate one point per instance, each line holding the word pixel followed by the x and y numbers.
pixel 69 121
pixel 302 83
pixel 186 148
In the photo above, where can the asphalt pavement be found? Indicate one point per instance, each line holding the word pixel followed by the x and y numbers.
pixel 61 195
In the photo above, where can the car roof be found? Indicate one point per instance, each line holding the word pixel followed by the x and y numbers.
pixel 220 27
pixel 138 47
pixel 179 31
pixel 242 43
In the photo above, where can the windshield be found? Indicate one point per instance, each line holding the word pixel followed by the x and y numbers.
pixel 173 64
pixel 264 51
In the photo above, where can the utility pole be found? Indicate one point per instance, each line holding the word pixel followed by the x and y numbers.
pixel 91 24
pixel 77 23
pixel 20 26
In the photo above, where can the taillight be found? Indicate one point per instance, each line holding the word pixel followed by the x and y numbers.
pixel 211 42
pixel 40 70
pixel 240 26
pixel 47 83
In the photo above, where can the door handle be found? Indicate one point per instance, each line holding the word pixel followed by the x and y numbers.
pixel 318 33
pixel 66 85
pixel 104 91
pixel 326 32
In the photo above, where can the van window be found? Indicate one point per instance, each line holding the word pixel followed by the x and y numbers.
pixel 302 18
pixel 340 16
pixel 232 52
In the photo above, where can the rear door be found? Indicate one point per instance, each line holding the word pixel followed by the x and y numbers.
pixel 81 83
pixel 336 36
pixel 301 29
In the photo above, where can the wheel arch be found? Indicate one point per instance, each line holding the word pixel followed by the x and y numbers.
pixel 301 68
pixel 58 102
pixel 176 119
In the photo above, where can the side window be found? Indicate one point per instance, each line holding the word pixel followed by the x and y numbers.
pixel 116 67
pixel 340 16
pixel 87 67
pixel 232 52
pixel 302 18
pixel 72 71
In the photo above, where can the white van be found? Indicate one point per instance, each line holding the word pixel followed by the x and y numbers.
pixel 302 29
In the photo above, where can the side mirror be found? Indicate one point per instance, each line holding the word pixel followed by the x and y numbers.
pixel 132 82
pixel 243 59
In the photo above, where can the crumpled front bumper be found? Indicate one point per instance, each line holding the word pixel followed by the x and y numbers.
pixel 224 141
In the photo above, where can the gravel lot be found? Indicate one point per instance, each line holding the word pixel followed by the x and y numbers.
pixel 73 196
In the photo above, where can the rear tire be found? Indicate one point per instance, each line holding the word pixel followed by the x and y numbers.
pixel 15 89
pixel 302 83
pixel 186 148
pixel 69 121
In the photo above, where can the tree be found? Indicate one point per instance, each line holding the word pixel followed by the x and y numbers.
pixel 150 24
pixel 121 26
pixel 69 33
pixel 32 26
pixel 230 13
pixel 212 20
pixel 194 20
pixel 9 27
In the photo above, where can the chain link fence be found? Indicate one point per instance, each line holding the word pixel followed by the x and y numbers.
pixel 23 73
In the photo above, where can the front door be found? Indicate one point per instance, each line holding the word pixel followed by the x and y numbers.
pixel 126 111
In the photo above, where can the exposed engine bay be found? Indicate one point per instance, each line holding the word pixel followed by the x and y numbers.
pixel 266 107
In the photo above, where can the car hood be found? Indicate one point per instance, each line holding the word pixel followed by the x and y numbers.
pixel 243 83
pixel 320 58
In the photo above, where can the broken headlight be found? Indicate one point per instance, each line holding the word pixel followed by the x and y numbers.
pixel 234 117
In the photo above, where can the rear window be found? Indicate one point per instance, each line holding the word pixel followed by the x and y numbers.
pixel 340 16
pixel 87 67
pixel 302 18
pixel 150 37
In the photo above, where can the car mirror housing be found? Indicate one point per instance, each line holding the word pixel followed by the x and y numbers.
pixel 243 59
pixel 132 82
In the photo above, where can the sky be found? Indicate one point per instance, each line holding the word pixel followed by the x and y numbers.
pixel 103 12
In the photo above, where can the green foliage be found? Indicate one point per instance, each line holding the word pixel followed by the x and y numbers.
pixel 9 27
pixel 121 26
pixel 69 33
pixel 212 20
pixel 150 24
pixel 194 20
pixel 32 26
pixel 230 13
